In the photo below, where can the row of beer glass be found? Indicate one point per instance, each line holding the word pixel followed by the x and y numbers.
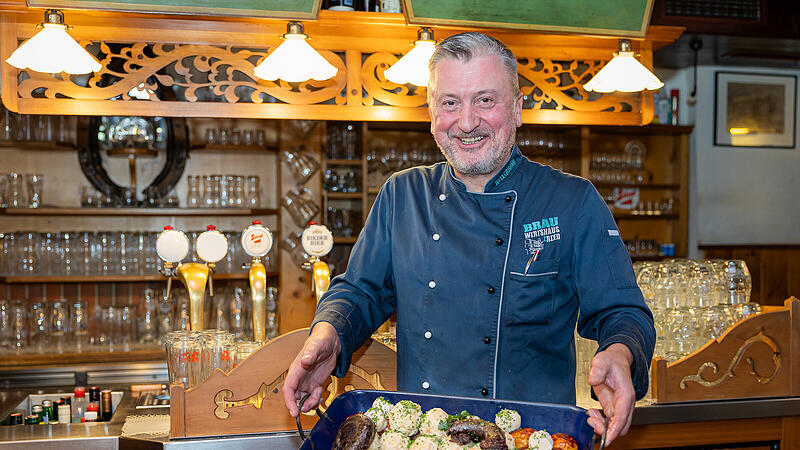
pixel 694 301
pixel 97 253
pixel 388 156
pixel 192 356
pixel 21 190
pixel 62 325
pixel 223 191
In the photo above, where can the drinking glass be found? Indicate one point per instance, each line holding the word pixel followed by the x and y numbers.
pixel 218 352
pixel 236 137
pixel 123 264
pixel 59 323
pixel 5 253
pixel 193 197
pixel 211 136
pixel 252 191
pixel 218 319
pixel 79 324
pixel 29 248
pixel 19 325
pixel 237 317
pixel 245 349
pixel 165 316
pixel 224 191
pixel 127 329
pixel 301 206
pixel 39 328
pixel 183 357
pixel 34 183
pixel 3 190
pixel 109 327
pixel 208 194
pixel 15 194
pixel 236 198
pixel 182 319
pixel 88 198
pixel 301 166
pixel 6 320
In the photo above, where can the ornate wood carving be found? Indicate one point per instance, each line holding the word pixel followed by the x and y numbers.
pixel 766 345
pixel 216 80
pixel 249 399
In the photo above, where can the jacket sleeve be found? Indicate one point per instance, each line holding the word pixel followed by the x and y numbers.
pixel 612 309
pixel 361 299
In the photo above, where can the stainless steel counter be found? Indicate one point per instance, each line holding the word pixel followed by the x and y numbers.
pixel 107 435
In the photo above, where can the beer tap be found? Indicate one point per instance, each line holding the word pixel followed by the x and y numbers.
pixel 172 246
pixel 257 242
pixel 317 242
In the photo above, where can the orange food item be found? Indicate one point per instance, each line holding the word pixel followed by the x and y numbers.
pixel 563 441
pixel 521 437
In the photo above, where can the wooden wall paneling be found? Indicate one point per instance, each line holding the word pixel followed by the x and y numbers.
pixel 8 43
pixel 790 437
pixel 692 434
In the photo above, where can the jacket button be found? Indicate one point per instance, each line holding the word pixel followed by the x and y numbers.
pixel 442 197
pixel 428 335
pixel 436 236
pixel 491 290
pixel 487 340
pixel 484 392
pixel 499 241
pixel 432 284
pixel 425 385
pixel 508 198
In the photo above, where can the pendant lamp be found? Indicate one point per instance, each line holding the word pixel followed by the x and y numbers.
pixel 413 66
pixel 294 59
pixel 53 50
pixel 624 73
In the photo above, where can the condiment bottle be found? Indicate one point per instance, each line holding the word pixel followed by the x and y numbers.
pixel 78 404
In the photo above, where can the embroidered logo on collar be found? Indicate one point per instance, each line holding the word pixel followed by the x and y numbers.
pixel 539 232
pixel 506 171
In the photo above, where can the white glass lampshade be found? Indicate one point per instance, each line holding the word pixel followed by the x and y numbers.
pixel 52 50
pixel 624 73
pixel 413 66
pixel 295 60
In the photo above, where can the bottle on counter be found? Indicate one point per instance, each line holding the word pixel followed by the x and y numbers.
pixel 78 406
pixel 91 413
pixel 47 412
pixel 94 397
pixel 64 413
pixel 15 419
pixel 106 405
pixel 674 102
pixel 32 419
pixel 38 411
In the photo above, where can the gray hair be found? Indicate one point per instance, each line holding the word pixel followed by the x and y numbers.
pixel 465 46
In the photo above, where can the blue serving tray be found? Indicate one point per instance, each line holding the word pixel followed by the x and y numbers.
pixel 553 418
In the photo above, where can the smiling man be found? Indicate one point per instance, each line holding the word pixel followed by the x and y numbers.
pixel 487 259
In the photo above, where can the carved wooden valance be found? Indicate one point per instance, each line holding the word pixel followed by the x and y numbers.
pixel 208 66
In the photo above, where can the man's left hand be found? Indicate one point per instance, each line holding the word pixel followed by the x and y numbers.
pixel 610 377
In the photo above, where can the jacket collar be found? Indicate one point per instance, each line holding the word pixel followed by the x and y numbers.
pixel 498 181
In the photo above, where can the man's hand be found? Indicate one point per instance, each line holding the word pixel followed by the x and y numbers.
pixel 610 377
pixel 312 366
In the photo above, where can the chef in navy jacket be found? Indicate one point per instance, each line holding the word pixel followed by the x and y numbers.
pixel 488 260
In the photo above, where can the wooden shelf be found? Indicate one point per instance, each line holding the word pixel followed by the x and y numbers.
pixel 643 130
pixel 640 186
pixel 114 278
pixel 91 355
pixel 645 217
pixel 343 195
pixel 345 240
pixel 34 145
pixel 344 162
pixel 153 212
pixel 232 148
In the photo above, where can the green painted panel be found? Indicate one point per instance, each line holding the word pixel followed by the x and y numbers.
pixel 613 17
pixel 300 9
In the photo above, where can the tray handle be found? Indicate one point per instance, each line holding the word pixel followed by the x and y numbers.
pixel 300 408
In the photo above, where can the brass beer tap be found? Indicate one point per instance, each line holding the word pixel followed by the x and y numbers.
pixel 172 246
pixel 317 241
pixel 257 242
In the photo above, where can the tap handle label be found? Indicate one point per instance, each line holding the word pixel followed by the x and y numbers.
pixel 256 240
pixel 317 240
pixel 212 246
pixel 172 245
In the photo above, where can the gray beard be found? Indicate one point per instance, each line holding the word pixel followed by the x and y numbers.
pixel 484 167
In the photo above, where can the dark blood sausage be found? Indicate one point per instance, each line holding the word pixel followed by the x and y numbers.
pixel 487 434
pixel 355 433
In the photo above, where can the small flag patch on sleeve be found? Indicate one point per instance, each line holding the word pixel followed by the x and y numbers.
pixel 613 232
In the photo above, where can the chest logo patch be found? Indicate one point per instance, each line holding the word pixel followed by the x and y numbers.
pixel 539 232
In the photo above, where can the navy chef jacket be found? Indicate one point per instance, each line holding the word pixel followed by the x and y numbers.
pixel 477 313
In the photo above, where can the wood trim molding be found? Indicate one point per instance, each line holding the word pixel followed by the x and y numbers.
pixel 208 62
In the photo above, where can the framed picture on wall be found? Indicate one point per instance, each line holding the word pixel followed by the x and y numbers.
pixel 755 110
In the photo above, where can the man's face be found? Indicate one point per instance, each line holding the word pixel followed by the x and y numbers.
pixel 474 113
